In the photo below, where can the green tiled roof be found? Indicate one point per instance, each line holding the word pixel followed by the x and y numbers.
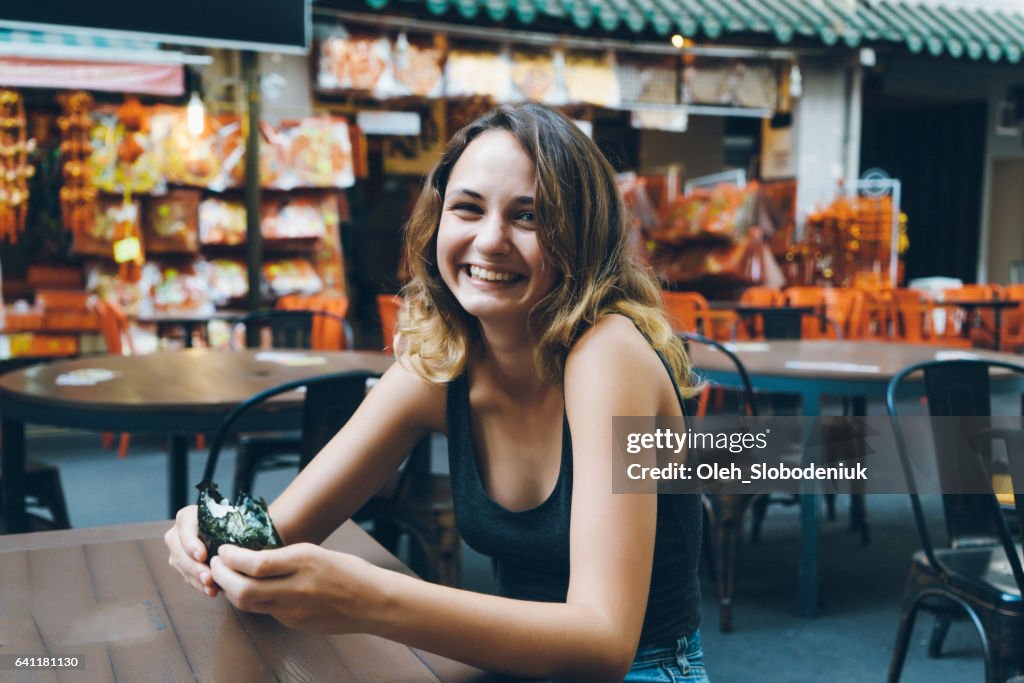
pixel 957 31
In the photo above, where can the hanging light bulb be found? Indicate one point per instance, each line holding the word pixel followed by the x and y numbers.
pixel 796 81
pixel 195 115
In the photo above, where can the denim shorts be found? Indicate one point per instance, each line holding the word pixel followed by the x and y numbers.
pixel 677 663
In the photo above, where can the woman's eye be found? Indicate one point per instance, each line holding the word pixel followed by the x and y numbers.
pixel 526 217
pixel 467 208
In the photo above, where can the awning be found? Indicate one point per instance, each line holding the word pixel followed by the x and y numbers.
pixel 831 21
pixel 36 59
pixel 983 31
pixel 955 30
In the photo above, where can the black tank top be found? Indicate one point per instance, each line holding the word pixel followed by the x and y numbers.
pixel 530 548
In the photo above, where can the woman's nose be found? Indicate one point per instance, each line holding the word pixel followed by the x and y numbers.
pixel 492 235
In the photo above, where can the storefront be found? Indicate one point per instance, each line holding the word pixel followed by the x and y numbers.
pixel 353 115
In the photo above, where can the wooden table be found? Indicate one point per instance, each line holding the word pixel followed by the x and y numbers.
pixel 178 393
pixel 776 321
pixel 816 368
pixel 108 596
pixel 973 310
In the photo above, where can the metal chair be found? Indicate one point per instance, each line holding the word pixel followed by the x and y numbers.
pixel 43 490
pixel 291 329
pixel 117 338
pixel 788 323
pixel 280 329
pixel 691 312
pixel 416 506
pixel 979 575
pixel 724 512
pixel 792 323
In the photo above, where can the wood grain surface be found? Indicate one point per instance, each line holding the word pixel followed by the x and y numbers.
pixel 192 379
pixel 108 596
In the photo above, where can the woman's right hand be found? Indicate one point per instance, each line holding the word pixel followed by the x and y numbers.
pixel 188 554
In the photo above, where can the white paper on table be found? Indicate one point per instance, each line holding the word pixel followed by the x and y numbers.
pixel 85 377
pixel 830 366
pixel 956 355
pixel 747 347
pixel 290 359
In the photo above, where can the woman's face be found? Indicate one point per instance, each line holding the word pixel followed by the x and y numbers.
pixel 487 248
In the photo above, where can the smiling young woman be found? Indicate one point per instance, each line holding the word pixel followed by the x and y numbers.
pixel 526 327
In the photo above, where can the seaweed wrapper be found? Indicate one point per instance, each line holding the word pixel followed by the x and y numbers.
pixel 246 524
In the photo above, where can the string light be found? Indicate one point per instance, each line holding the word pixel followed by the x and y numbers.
pixel 679 42
pixel 195 115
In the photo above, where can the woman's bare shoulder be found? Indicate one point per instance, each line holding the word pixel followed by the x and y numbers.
pixel 610 353
pixel 415 397
pixel 612 338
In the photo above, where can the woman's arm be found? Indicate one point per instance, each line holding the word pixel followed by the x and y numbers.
pixel 591 637
pixel 399 411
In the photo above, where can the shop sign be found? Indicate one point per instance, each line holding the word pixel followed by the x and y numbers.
pixel 153 79
pixel 388 122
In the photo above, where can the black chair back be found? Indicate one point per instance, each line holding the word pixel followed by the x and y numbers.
pixel 963 450
pixel 956 389
pixel 783 324
pixel 329 403
pixel 747 404
pixel 288 329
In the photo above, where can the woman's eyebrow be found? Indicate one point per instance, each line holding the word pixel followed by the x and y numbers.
pixel 522 199
pixel 468 192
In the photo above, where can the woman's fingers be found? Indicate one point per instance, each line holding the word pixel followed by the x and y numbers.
pixel 260 564
pixel 242 591
pixel 187 523
pixel 187 552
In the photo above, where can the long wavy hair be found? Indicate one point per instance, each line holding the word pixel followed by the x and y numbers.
pixel 583 230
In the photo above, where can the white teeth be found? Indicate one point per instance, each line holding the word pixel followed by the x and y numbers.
pixel 491 276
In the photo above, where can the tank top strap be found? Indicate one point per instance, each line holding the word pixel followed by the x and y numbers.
pixel 668 369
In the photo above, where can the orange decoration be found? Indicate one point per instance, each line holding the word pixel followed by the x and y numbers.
pixel 77 196
pixel 15 171
pixel 132 114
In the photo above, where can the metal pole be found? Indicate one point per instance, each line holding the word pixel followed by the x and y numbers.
pixel 894 244
pixel 254 238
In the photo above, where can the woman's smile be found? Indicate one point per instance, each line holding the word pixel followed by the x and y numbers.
pixel 491 276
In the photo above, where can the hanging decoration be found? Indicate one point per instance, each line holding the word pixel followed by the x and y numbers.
pixel 15 171
pixel 127 234
pixel 78 195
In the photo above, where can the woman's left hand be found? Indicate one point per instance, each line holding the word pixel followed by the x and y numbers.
pixel 303 586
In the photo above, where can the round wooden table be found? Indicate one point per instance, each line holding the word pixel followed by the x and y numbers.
pixel 816 368
pixel 179 393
